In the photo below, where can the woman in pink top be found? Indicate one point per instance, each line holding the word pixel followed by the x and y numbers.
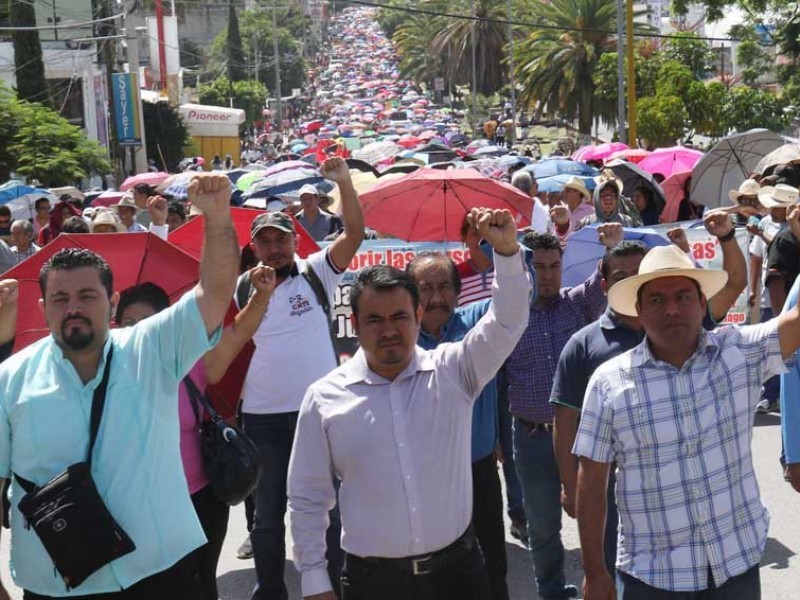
pixel 144 300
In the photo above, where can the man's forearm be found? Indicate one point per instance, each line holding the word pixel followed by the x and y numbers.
pixel 218 266
pixel 591 510
pixel 734 264
pixel 564 431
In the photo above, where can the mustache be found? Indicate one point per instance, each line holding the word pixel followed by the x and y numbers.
pixel 83 320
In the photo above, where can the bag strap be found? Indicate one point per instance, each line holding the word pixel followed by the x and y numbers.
pixel 199 397
pixel 322 297
pixel 195 409
pixel 98 403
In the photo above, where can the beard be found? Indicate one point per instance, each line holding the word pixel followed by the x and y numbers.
pixel 284 271
pixel 76 339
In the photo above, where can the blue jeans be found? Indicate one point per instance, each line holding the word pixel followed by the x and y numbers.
pixel 772 386
pixel 746 586
pixel 514 504
pixel 541 490
pixel 273 434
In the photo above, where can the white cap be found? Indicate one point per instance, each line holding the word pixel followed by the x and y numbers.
pixel 309 189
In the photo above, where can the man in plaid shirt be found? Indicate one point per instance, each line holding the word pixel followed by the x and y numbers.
pixel 676 415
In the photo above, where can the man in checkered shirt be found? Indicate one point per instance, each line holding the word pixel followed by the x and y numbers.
pixel 676 415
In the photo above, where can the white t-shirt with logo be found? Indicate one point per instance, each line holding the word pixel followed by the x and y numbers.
pixel 293 344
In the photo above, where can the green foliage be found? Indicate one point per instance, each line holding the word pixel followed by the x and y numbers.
pixel 166 135
pixel 235 53
pixel 31 84
pixel 691 52
pixel 39 143
pixel 660 120
pixel 754 61
pixel 247 95
pixel 556 66
pixel 390 19
pixel 256 30
pixel 746 108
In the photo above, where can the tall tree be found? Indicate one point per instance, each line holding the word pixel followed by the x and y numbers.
pixel 29 68
pixel 555 64
pixel 235 54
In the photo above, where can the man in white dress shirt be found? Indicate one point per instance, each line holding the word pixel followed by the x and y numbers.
pixel 393 424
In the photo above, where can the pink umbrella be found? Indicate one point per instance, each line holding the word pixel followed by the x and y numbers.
pixel 668 161
pixel 430 204
pixel 152 179
pixel 634 155
pixel 107 198
pixel 601 152
pixel 673 187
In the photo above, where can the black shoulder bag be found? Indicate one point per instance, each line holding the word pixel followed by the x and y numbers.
pixel 68 514
pixel 231 460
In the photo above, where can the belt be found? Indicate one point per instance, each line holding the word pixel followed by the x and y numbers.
pixel 532 427
pixel 417 565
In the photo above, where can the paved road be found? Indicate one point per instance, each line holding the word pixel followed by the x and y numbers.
pixel 780 568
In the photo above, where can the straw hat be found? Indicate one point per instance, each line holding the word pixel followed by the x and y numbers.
pixel 663 261
pixel 749 187
pixel 576 183
pixel 607 175
pixel 780 196
pixel 126 201
pixel 106 217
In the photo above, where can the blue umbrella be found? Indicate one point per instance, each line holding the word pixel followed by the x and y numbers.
pixel 21 199
pixel 584 250
pixel 560 166
pixel 556 182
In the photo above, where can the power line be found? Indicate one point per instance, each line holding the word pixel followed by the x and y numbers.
pixel 432 13
pixel 79 25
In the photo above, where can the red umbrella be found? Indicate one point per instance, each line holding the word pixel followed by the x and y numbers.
pixel 430 204
pixel 152 179
pixel 189 237
pixel 134 258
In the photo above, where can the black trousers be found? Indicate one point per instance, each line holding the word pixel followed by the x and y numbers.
pixel 213 515
pixel 461 579
pixel 179 582
pixel 487 521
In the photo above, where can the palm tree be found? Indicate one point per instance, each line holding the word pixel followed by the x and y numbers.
pixel 491 36
pixel 437 46
pixel 412 40
pixel 555 66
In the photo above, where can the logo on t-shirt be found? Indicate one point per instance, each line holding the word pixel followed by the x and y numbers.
pixel 299 305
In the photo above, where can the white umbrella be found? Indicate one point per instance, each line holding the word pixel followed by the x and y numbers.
pixel 732 160
pixel 785 154
pixel 376 152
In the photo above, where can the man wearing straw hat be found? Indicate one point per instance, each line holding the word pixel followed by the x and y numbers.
pixel 676 415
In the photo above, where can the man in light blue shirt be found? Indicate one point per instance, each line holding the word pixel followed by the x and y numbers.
pixel 46 396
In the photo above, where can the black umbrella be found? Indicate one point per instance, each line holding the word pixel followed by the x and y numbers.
pixel 633 177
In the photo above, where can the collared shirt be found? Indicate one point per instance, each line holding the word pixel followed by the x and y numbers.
pixel 532 365
pixel 136 465
pixel 20 255
pixel 589 348
pixel 484 413
pixel 400 448
pixel 585 352
pixel 293 346
pixel 687 494
pixel 137 228
pixel 324 225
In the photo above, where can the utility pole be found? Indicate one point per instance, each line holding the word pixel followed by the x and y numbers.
pixel 107 29
pixel 139 154
pixel 511 80
pixel 474 118
pixel 633 142
pixel 621 69
pixel 276 51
